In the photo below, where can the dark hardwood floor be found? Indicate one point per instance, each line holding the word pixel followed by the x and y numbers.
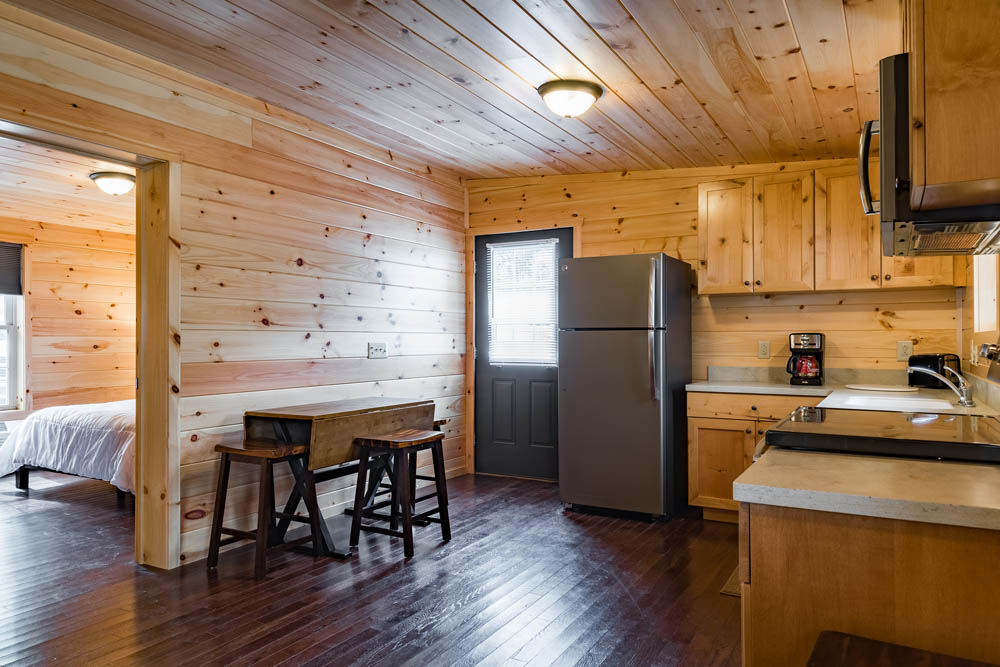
pixel 521 583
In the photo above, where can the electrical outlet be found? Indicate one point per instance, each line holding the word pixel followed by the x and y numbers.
pixel 973 354
pixel 378 350
pixel 904 350
pixel 763 349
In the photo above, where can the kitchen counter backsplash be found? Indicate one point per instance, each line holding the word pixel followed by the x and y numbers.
pixel 832 376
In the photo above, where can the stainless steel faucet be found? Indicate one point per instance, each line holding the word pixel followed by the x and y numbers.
pixel 963 390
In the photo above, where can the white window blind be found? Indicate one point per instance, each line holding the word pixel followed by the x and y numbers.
pixel 521 279
pixel 10 368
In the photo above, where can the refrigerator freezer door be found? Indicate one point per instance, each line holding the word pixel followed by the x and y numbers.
pixel 610 292
pixel 611 431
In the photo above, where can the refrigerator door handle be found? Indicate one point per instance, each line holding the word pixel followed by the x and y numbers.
pixel 654 377
pixel 652 292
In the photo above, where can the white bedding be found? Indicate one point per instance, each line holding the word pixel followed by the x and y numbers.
pixel 95 440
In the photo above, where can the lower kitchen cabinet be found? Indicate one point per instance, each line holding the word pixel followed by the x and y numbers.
pixel 723 432
pixel 718 451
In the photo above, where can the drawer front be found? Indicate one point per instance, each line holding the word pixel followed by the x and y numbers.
pixel 745 406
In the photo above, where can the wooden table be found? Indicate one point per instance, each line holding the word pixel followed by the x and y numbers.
pixel 329 430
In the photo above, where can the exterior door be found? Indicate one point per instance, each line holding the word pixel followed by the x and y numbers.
pixel 517 352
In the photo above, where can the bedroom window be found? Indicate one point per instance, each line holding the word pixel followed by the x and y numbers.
pixel 10 350
pixel 11 327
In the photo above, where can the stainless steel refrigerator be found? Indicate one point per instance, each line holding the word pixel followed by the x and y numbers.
pixel 624 358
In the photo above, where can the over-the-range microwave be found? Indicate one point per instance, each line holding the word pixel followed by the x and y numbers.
pixel 972 230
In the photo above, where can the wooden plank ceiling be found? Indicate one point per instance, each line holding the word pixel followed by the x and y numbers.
pixel 452 82
pixel 41 184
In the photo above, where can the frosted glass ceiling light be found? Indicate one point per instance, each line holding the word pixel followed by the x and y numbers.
pixel 113 182
pixel 569 97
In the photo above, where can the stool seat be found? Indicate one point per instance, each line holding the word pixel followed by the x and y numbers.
pixel 265 449
pixel 407 437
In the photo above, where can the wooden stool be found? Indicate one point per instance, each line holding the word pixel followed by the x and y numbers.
pixel 402 446
pixel 271 525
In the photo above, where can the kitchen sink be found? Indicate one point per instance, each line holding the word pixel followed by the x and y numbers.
pixel 895 403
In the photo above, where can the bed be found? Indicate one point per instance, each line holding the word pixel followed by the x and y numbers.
pixel 95 440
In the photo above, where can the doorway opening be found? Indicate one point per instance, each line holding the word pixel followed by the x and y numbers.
pixel 87 351
pixel 517 352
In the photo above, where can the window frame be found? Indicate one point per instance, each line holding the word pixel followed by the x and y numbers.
pixel 17 405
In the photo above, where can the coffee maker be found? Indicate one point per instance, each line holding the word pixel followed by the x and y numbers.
pixel 806 363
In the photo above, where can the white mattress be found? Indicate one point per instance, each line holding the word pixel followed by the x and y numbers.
pixel 95 440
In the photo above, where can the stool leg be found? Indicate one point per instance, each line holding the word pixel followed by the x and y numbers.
pixel 265 502
pixel 393 461
pixel 220 507
pixel 413 481
pixel 359 496
pixel 440 481
pixel 403 483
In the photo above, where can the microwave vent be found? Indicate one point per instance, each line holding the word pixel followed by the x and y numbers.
pixel 947 241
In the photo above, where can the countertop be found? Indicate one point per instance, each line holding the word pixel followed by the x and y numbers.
pixel 836 395
pixel 773 388
pixel 948 493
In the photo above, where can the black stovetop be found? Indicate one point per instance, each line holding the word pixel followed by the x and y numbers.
pixel 907 434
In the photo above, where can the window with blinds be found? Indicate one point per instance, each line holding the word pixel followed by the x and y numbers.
pixel 522 286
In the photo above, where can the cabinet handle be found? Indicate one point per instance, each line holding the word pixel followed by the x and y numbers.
pixel 748 430
pixel 874 276
pixel 760 431
pixel 887 277
pixel 753 407
pixel 746 282
pixel 756 282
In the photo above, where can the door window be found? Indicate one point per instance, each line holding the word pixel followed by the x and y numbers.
pixel 522 293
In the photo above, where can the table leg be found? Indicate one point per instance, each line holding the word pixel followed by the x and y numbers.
pixel 316 517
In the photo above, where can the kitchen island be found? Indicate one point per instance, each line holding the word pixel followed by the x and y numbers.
pixel 905 551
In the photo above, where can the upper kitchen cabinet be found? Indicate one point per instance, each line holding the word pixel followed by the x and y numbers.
pixel 848 247
pixel 954 81
pixel 938 271
pixel 725 233
pixel 783 233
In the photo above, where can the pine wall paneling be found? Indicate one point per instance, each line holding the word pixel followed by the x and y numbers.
pixel 296 241
pixel 651 211
pixel 80 300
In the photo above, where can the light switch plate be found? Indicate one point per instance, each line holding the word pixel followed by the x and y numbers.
pixel 763 349
pixel 904 350
pixel 378 350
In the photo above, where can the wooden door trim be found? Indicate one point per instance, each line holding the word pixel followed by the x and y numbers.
pixel 157 447
pixel 158 365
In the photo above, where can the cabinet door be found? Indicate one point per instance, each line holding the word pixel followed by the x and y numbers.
pixel 848 243
pixel 954 94
pixel 717 454
pixel 725 225
pixel 918 271
pixel 783 232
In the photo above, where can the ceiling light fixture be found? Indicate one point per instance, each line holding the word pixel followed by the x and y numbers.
pixel 569 97
pixel 113 182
